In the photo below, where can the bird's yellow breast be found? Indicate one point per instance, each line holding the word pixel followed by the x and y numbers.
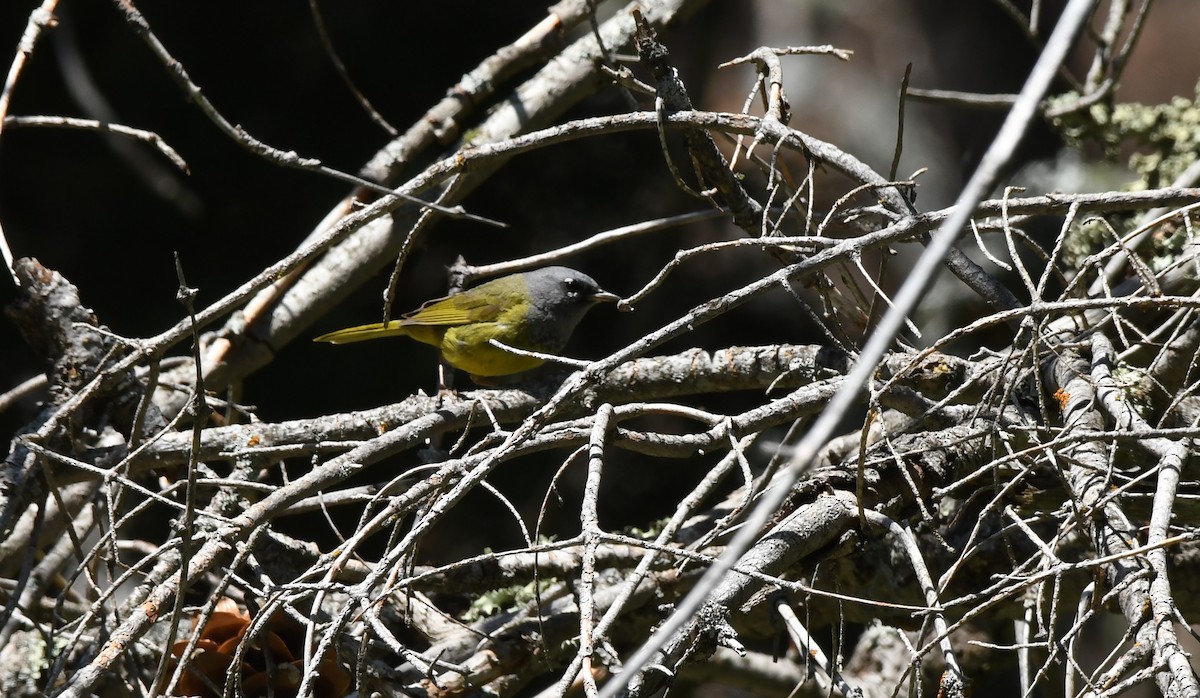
pixel 467 348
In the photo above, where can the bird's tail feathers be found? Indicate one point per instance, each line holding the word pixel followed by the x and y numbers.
pixel 361 333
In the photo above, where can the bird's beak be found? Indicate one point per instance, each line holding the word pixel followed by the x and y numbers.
pixel 605 297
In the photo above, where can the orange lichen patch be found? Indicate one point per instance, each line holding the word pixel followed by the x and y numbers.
pixel 271 665
pixel 1062 397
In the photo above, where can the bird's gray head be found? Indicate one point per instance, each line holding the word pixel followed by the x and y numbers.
pixel 560 297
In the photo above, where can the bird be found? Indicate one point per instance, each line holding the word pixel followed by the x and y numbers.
pixel 535 310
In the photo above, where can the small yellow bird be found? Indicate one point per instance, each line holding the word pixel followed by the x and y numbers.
pixel 535 311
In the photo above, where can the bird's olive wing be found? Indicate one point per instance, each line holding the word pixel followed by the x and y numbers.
pixel 461 309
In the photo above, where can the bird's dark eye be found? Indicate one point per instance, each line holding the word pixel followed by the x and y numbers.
pixel 571 286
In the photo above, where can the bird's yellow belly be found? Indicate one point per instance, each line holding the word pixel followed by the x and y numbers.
pixel 467 348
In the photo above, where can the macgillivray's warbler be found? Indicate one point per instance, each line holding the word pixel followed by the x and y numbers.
pixel 535 311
